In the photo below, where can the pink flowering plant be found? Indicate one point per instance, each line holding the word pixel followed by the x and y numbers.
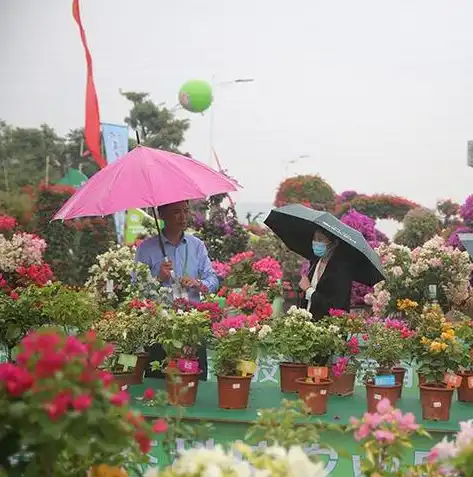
pixel 61 414
pixel 455 457
pixel 244 269
pixel 236 338
pixel 248 300
pixel 409 274
pixel 385 436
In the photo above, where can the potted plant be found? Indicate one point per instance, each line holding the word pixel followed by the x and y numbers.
pixel 439 355
pixel 61 415
pixel 384 348
pixel 235 349
pixel 464 331
pixel 130 329
pixel 265 274
pixel 181 333
pixel 322 346
pixel 118 277
pixel 288 341
pixel 345 367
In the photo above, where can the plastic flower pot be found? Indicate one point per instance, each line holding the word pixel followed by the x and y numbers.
pixel 399 374
pixel 436 401
pixel 465 391
pixel 375 394
pixel 181 387
pixel 343 385
pixel 314 394
pixel 233 391
pixel 289 373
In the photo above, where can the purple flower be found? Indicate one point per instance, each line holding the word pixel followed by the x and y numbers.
pixel 364 224
pixel 466 211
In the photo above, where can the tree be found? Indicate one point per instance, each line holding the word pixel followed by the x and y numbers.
pixel 420 225
pixel 156 125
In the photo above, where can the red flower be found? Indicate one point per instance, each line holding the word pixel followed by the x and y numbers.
pixel 134 418
pixel 7 223
pixel 160 426
pixel 120 399
pixel 143 441
pixel 106 378
pixel 82 402
pixel 50 363
pixel 74 347
pixel 59 406
pixel 17 380
pixel 14 295
pixel 149 394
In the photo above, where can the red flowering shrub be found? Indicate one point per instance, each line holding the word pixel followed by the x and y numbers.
pixel 61 414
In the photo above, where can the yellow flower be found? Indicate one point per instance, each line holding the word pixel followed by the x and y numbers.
pixel 424 340
pixel 436 346
pixel 405 304
pixel 104 470
pixel 448 335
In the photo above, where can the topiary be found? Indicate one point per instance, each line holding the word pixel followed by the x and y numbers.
pixel 310 190
pixel 420 225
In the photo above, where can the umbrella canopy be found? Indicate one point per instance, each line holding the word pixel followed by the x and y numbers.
pixel 467 241
pixel 295 224
pixel 144 177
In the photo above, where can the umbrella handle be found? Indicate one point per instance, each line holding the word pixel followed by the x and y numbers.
pixel 160 237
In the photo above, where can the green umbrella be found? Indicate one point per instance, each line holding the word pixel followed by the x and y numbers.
pixel 467 241
pixel 295 225
pixel 73 178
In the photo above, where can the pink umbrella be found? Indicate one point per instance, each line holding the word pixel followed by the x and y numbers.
pixel 144 177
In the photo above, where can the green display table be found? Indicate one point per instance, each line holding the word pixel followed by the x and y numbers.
pixel 232 425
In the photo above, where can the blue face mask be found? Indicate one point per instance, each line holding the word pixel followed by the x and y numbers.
pixel 319 249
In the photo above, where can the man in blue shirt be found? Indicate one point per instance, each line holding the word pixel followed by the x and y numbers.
pixel 187 270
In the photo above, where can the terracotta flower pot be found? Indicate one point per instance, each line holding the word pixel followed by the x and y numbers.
pixel 375 394
pixel 342 385
pixel 233 391
pixel 465 391
pixel 399 374
pixel 420 379
pixel 315 395
pixel 124 379
pixel 289 373
pixel 436 401
pixel 182 388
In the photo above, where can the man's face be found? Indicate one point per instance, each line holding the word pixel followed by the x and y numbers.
pixel 176 215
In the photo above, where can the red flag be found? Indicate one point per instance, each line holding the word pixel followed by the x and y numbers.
pixel 92 115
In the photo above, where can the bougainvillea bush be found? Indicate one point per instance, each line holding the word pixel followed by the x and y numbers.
pixel 61 415
pixel 265 274
pixel 309 190
pixel 419 226
pixel 21 257
pixel 409 274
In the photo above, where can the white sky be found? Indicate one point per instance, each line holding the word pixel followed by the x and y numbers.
pixel 379 93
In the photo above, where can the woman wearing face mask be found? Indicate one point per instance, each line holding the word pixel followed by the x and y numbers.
pixel 328 284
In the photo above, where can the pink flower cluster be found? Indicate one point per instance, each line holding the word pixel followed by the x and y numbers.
pixel 353 345
pixel 339 366
pixel 399 325
pixel 7 223
pixel 270 267
pixel 232 323
pixel 385 425
pixel 254 304
pixel 221 269
pixel 240 257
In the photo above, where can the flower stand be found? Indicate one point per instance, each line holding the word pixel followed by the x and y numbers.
pixel 375 394
pixel 182 387
pixel 233 391
pixel 436 401
pixel 342 385
pixel 289 373
pixel 314 394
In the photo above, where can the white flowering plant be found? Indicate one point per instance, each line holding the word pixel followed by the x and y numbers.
pixel 409 274
pixel 291 334
pixel 117 277
pixel 182 332
pixel 236 339
pixel 132 327
pixel 242 461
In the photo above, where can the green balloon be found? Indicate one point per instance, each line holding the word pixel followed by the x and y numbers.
pixel 195 96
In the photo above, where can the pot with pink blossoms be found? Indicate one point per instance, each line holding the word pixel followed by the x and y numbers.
pixel 235 349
